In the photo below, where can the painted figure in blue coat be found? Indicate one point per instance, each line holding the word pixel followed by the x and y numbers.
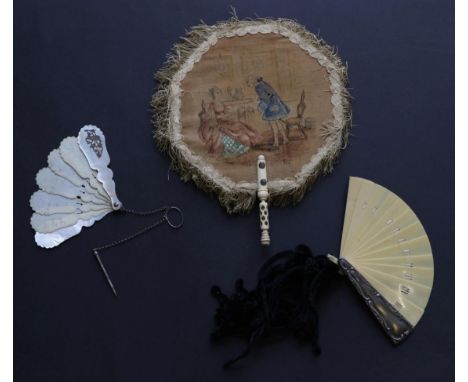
pixel 273 109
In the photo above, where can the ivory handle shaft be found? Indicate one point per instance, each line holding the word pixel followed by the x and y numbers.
pixel 263 195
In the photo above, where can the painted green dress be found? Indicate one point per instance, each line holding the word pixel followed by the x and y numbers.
pixel 217 129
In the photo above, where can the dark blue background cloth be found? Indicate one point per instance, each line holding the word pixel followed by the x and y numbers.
pixel 79 62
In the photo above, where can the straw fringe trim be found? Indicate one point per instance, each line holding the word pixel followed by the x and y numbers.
pixel 239 197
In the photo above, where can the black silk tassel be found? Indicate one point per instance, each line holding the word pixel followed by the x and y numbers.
pixel 283 303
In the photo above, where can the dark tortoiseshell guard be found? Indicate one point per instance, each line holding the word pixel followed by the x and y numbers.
pixel 394 324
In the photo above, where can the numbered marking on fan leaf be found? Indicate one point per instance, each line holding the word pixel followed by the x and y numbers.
pixel 374 224
pixel 384 240
pixel 413 261
pixel 413 311
pixel 414 289
pixel 419 275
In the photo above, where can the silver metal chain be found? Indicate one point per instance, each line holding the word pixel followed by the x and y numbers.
pixel 165 218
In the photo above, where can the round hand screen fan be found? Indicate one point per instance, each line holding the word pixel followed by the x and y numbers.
pixel 239 89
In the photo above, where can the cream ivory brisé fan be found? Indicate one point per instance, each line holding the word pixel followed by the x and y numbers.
pixel 386 254
pixel 77 189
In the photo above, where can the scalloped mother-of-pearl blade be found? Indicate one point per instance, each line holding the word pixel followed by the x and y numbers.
pixel 51 223
pixel 71 153
pixel 92 143
pixel 48 204
pixel 385 241
pixel 63 169
pixel 52 183
pixel 53 239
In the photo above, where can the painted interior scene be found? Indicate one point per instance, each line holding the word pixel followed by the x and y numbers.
pixel 255 94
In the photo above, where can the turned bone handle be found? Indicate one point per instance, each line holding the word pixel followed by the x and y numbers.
pixel 263 195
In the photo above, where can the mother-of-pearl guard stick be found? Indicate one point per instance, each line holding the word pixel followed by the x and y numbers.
pixel 263 195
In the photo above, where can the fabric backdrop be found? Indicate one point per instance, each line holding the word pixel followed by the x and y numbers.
pixel 79 62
